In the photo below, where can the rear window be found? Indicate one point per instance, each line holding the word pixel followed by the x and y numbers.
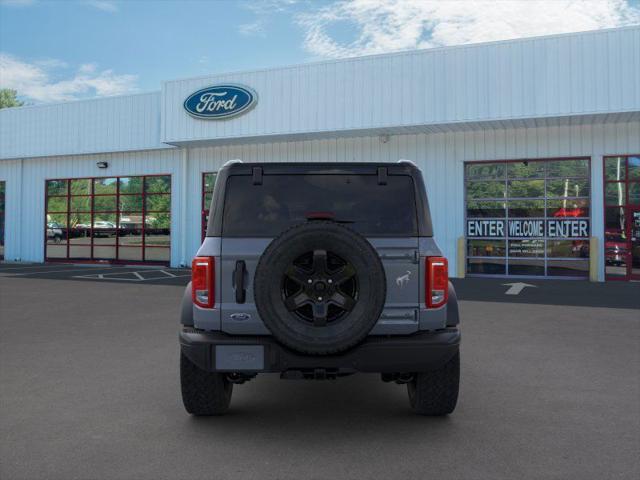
pixel 282 201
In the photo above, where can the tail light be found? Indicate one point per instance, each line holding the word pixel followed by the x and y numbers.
pixel 202 281
pixel 437 282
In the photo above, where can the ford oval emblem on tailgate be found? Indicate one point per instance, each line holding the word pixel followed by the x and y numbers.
pixel 220 101
pixel 240 316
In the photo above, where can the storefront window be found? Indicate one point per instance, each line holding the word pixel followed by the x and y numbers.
pixel 109 219
pixel 485 171
pixel 633 168
pixel 526 208
pixel 533 169
pixel 486 248
pixel 485 189
pixel 615 168
pixel 208 182
pixel 525 188
pixel 615 193
pixel 529 218
pixel 485 209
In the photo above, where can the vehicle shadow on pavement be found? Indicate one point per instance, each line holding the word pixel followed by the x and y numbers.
pixel 323 409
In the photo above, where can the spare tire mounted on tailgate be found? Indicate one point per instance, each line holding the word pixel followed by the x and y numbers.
pixel 320 287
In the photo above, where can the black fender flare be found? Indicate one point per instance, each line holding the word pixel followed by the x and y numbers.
pixel 186 307
pixel 453 317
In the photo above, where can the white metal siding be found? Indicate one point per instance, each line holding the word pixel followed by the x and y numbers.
pixel 11 174
pixel 440 156
pixel 90 126
pixel 547 77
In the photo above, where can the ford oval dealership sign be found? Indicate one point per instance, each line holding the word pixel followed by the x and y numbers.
pixel 219 102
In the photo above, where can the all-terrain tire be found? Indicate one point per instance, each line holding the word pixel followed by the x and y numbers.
pixel 435 393
pixel 203 393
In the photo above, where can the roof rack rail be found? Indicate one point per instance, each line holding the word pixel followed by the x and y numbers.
pixel 231 162
pixel 404 160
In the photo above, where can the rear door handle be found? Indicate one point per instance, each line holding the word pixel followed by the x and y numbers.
pixel 238 281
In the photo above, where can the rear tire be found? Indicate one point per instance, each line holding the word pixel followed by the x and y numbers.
pixel 435 393
pixel 203 393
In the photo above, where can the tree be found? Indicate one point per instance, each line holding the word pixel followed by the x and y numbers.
pixel 8 98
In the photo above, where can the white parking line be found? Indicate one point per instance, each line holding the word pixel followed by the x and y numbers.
pixel 139 277
pixel 16 274
pixel 24 267
pixel 162 278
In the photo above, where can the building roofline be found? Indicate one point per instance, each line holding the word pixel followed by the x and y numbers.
pixel 81 100
pixel 334 61
pixel 414 51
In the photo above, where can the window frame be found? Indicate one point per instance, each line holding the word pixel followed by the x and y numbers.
pixel 507 199
pixel 91 213
pixel 627 206
pixel 204 208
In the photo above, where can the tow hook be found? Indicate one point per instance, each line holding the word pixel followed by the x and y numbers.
pixel 240 378
pixel 399 378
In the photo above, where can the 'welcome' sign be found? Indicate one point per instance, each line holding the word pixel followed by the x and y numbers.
pixel 534 228
pixel 219 102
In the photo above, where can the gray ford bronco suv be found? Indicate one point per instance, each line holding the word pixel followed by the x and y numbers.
pixel 315 271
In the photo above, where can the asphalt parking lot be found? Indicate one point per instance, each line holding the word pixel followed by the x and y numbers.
pixel 89 389
pixel 97 273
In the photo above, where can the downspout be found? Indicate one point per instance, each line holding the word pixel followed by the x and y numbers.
pixel 183 207
pixel 18 235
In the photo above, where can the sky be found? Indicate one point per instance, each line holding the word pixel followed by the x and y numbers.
pixel 59 50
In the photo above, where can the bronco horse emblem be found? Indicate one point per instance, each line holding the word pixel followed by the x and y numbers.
pixel 404 279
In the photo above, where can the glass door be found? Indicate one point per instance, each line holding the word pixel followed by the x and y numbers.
pixel 634 241
pixel 622 217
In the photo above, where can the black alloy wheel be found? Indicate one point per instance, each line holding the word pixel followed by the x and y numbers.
pixel 320 287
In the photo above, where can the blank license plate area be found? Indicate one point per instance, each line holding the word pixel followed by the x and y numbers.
pixel 239 357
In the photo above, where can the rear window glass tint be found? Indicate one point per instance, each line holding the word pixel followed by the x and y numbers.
pixel 282 201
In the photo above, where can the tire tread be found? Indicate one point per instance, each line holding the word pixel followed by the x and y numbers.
pixel 203 393
pixel 435 393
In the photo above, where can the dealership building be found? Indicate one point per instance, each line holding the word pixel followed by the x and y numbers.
pixel 530 150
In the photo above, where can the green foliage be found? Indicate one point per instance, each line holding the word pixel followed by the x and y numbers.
pixel 56 187
pixel 105 186
pixel 81 186
pixel 158 184
pixel 8 98
pixel 526 188
pixel 490 189
pixel 525 169
pixel 131 203
pixel 209 181
pixel 615 168
pixel 131 184
pixel 57 204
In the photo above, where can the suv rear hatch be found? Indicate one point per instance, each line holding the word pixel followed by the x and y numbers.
pixel 378 204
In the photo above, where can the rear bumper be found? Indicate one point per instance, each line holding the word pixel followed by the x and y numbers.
pixel 420 352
